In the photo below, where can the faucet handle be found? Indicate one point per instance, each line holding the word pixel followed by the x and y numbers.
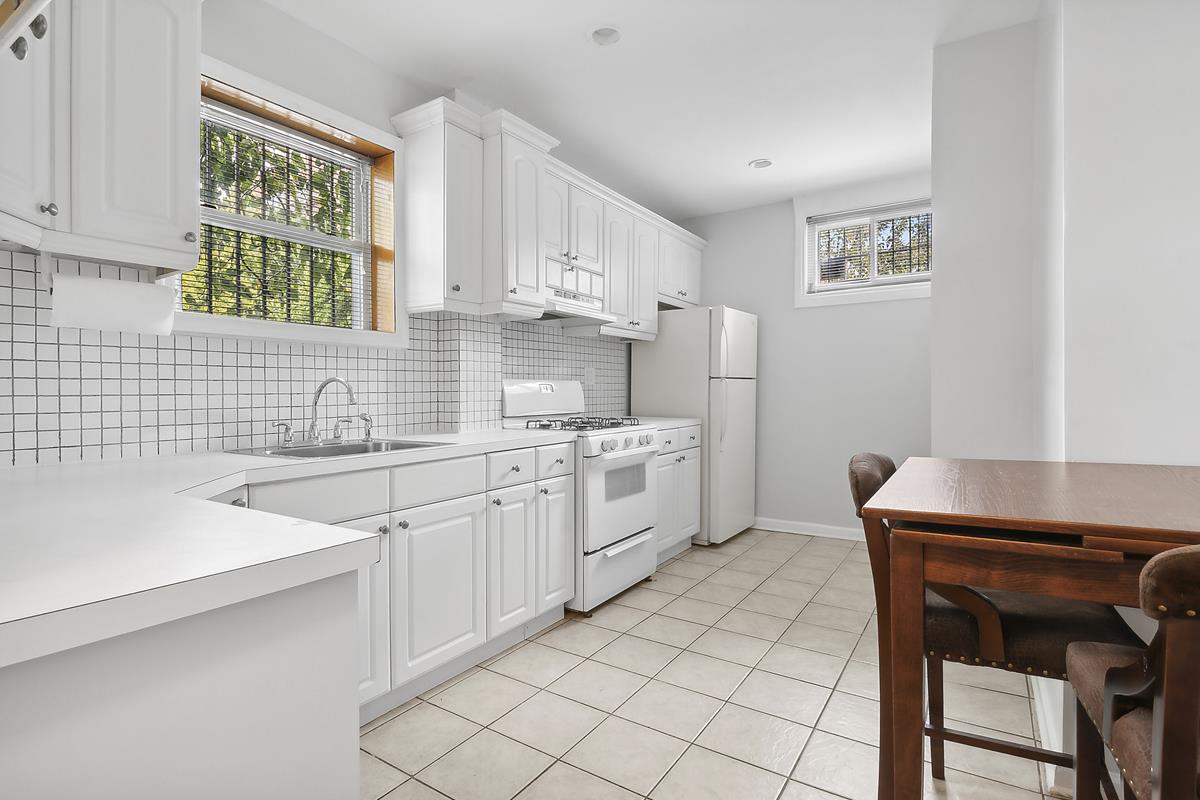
pixel 288 438
pixel 337 427
pixel 368 423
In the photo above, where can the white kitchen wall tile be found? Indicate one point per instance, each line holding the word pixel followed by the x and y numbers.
pixel 82 395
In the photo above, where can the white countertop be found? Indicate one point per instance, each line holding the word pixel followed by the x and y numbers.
pixel 665 423
pixel 78 535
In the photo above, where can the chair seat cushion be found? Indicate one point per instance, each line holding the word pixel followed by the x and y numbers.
pixel 1036 630
pixel 1131 746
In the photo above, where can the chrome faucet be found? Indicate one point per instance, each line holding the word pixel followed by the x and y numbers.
pixel 314 431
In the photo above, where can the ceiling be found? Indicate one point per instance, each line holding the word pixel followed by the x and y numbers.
pixel 833 91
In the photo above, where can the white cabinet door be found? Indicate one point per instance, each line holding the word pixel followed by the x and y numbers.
pixel 556 210
pixel 522 173
pixel 666 530
pixel 688 485
pixel 670 269
pixel 438 584
pixel 618 259
pixel 374 655
pixel 587 220
pixel 555 542
pixel 511 541
pixel 25 134
pixel 692 257
pixel 135 121
pixel 645 271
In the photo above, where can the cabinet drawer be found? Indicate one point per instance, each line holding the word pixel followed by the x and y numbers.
pixel 509 468
pixel 325 498
pixel 431 482
pixel 688 437
pixel 555 460
pixel 668 440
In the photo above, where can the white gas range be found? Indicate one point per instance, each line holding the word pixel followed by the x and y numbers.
pixel 616 486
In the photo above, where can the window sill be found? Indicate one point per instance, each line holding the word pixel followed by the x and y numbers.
pixel 870 294
pixel 187 322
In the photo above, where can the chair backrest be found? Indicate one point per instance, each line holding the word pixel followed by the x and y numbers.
pixel 1170 584
pixel 868 471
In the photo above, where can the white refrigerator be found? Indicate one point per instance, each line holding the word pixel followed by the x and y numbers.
pixel 704 363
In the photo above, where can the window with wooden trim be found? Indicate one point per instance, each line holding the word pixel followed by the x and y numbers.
pixel 291 211
pixel 877 247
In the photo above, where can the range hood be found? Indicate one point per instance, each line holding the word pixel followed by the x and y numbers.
pixel 572 313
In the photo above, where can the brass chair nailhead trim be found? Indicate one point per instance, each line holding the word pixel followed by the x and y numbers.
pixel 1162 608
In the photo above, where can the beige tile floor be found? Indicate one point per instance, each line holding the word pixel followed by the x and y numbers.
pixel 742 671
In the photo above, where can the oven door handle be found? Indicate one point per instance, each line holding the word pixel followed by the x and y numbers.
pixel 645 453
pixel 629 545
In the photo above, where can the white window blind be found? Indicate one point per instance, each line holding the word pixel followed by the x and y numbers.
pixel 878 246
pixel 285 225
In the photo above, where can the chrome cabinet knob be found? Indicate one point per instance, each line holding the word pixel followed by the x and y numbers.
pixel 497 501
pixel 668 441
pixel 575 257
pixel 569 269
pixel 403 524
pixel 559 461
pixel 238 501
pixel 456 288
pixel 20 48
pixel 39 26
pixel 544 490
pixel 384 529
pixel 516 467
pixel 50 208
pixel 190 236
pixel 692 438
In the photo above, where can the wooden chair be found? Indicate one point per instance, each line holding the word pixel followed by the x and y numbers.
pixel 985 628
pixel 1143 704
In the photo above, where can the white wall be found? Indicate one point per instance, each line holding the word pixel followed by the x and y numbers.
pixel 1133 265
pixel 266 42
pixel 833 380
pixel 982 396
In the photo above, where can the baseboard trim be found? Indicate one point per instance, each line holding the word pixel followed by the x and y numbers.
pixel 809 528
pixel 1051 701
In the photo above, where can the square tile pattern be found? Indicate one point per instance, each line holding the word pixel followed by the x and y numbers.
pixel 743 671
pixel 70 394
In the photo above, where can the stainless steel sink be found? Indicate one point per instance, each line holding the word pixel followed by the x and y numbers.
pixel 335 449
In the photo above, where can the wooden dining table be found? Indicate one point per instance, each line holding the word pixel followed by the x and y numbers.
pixel 1071 530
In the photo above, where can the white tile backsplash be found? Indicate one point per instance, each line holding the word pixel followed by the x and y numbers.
pixel 68 394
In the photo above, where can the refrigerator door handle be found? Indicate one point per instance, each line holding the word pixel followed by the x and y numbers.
pixel 724 410
pixel 724 349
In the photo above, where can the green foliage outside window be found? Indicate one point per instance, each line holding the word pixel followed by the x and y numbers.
pixel 246 274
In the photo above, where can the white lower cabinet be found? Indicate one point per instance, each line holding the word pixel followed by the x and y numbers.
pixel 511 542
pixel 438 583
pixel 678 497
pixel 373 655
pixel 555 583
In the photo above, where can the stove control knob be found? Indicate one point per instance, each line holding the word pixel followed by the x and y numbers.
pixel 649 438
pixel 642 440
pixel 629 441
pixel 604 446
pixel 612 444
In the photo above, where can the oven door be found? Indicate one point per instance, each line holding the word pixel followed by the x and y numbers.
pixel 620 496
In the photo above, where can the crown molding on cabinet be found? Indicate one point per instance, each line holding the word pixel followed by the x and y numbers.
pixel 506 122
pixel 437 111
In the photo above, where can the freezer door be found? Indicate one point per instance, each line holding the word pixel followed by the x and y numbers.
pixel 733 349
pixel 730 450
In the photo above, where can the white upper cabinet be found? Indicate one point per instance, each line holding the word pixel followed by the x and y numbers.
pixel 522 170
pixel 25 139
pixel 556 211
pixel 119 121
pixel 586 223
pixel 618 253
pixel 645 276
pixel 135 122
pixel 678 272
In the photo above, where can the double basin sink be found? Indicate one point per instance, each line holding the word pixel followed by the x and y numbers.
pixel 334 449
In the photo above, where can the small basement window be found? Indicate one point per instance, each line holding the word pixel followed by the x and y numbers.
pixel 883 248
pixel 296 219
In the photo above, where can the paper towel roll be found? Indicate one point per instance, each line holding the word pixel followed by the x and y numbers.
pixel 111 305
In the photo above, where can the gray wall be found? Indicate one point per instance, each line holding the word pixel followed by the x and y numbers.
pixel 832 380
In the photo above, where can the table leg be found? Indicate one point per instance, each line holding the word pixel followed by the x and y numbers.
pixel 908 646
pixel 877 546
